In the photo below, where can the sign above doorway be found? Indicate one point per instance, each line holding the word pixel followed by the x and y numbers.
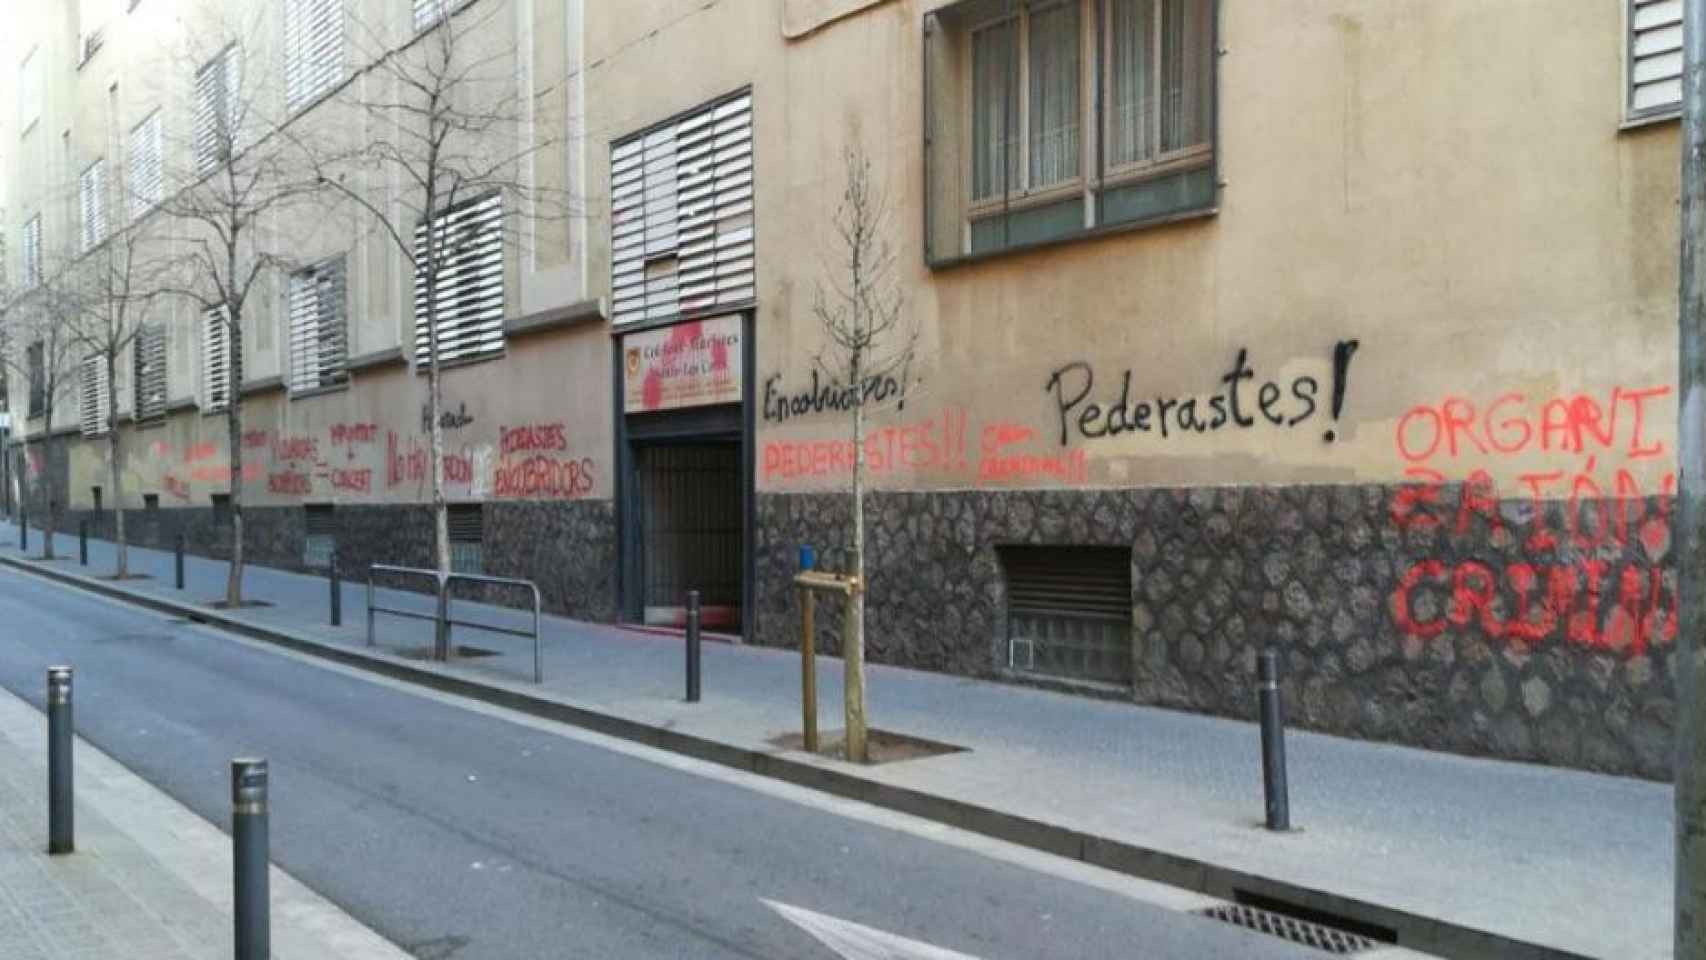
pixel 692 364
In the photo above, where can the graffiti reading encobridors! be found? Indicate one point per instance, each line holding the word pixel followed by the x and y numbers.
pixel 1241 404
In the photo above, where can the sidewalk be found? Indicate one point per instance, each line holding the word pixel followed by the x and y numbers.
pixel 1463 857
pixel 149 879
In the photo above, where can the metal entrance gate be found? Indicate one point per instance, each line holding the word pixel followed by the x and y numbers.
pixel 689 500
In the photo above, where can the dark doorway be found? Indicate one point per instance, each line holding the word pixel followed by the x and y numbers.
pixel 689 512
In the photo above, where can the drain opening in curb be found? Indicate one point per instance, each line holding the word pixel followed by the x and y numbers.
pixel 1301 925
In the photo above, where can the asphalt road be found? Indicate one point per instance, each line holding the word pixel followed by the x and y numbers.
pixel 462 835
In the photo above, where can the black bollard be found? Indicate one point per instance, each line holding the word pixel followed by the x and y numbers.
pixel 1273 742
pixel 61 833
pixel 337 593
pixel 692 646
pixel 83 542
pixel 249 858
pixel 24 532
pixel 178 561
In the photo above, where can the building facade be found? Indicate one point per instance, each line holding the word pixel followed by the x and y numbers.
pixel 1346 328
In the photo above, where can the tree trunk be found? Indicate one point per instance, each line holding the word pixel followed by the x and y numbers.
pixel 47 468
pixel 233 440
pixel 122 569
pixel 435 430
pixel 853 654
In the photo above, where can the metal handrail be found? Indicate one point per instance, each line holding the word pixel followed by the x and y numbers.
pixel 441 616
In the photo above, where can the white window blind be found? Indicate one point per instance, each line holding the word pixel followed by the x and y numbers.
pixel 682 237
pixel 318 327
pixel 148 373
pixel 32 251
pixel 217 91
pixel 468 305
pixel 29 90
pixel 93 407
pixel 429 12
pixel 146 183
pixel 219 372
pixel 313 49
pixel 92 204
pixel 1655 57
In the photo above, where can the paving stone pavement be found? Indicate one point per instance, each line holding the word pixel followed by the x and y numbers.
pixel 149 879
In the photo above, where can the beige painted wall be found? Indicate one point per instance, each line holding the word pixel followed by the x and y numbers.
pixel 557 381
pixel 534 425
pixel 1443 181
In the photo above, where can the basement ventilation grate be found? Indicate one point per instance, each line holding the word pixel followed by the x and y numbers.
pixel 1315 935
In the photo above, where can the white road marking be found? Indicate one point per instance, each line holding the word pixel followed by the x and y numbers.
pixel 855 941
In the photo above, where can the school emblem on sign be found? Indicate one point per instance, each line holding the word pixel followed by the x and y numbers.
pixel 692 364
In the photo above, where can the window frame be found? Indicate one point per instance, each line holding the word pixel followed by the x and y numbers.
pixel 1025 196
pixel 35 361
pixel 949 214
pixel 421 349
pixel 326 378
pixel 146 135
pixel 94 409
pixel 214 318
pixel 1633 116
pixel 31 242
pixel 92 205
pixel 223 69
pixel 301 64
pixel 142 408
pixel 30 91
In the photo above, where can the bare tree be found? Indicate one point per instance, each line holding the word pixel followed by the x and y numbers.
pixel 40 320
pixel 869 339
pixel 225 207
pixel 453 129
pixel 116 282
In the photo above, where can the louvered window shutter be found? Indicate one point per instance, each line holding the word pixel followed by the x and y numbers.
pixel 682 239
pixel 218 371
pixel 38 380
pixel 146 187
pixel 148 376
pixel 216 92
pixel 318 327
pixel 429 12
pixel 93 403
pixel 313 49
pixel 467 244
pixel 1655 57
pixel 32 251
pixel 91 190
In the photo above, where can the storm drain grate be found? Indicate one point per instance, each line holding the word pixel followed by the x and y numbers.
pixel 1279 925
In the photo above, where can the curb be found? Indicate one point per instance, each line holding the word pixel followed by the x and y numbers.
pixel 1413 931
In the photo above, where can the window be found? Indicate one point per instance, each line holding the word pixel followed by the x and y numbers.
pixel 151 502
pixel 95 492
pixel 1655 58
pixel 92 205
pixel 93 407
pixel 29 90
pixel 1020 149
pixel 220 363
pixel 681 216
pixel 221 509
pixel 146 186
pixel 148 376
pixel 217 112
pixel 429 12
pixel 32 252
pixel 38 379
pixel 466 243
pixel 467 528
pixel 321 538
pixel 318 325
pixel 1069 611
pixel 313 49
